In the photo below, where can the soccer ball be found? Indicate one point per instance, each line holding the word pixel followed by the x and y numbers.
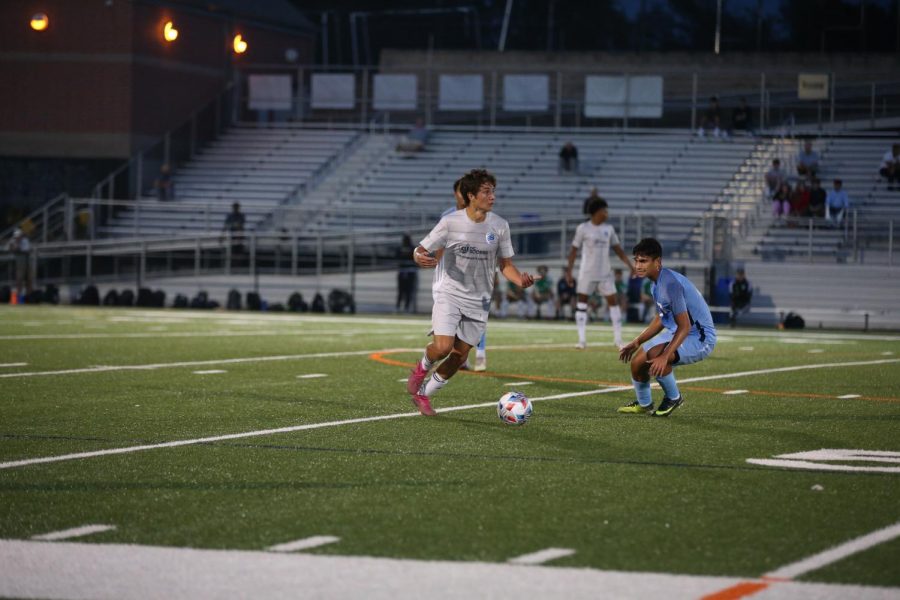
pixel 514 408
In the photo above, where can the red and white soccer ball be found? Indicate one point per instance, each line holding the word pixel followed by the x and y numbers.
pixel 514 408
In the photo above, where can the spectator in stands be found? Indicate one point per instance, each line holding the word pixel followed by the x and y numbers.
pixel 542 291
pixel 712 120
pixel 741 294
pixel 565 294
pixel 800 200
pixel 781 201
pixel 415 140
pixel 568 158
pixel 837 202
pixel 774 177
pixel 817 195
pixel 807 161
pixel 890 167
pixel 234 228
pixel 20 247
pixel 514 294
pixel 407 276
pixel 742 118
pixel 586 207
pixel 164 186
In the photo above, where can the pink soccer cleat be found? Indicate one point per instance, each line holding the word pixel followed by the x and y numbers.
pixel 423 404
pixel 416 377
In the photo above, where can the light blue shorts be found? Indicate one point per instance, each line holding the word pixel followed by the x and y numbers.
pixel 692 350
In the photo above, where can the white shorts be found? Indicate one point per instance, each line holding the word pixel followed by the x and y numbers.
pixel 450 320
pixel 607 285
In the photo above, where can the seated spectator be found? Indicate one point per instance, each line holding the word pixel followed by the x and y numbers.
pixel 542 290
pixel 164 186
pixel 807 161
pixel 741 294
pixel 774 177
pixel 742 118
pixel 890 167
pixel 415 140
pixel 586 207
pixel 515 294
pixel 800 200
pixel 568 158
pixel 837 202
pixel 565 294
pixel 781 201
pixel 712 120
pixel 816 206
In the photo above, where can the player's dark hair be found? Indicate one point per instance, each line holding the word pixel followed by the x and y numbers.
pixel 648 247
pixel 597 204
pixel 457 183
pixel 473 180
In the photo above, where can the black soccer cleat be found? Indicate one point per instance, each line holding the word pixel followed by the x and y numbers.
pixel 667 406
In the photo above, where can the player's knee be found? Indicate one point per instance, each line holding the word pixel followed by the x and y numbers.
pixel 443 348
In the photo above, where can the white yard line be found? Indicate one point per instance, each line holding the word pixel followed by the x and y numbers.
pixel 75 532
pixel 132 572
pixel 191 334
pixel 512 383
pixel 735 392
pixel 14 365
pixel 304 544
pixel 817 561
pixel 209 372
pixel 541 556
pixel 312 376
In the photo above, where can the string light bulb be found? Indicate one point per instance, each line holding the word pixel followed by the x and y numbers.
pixel 240 46
pixel 169 32
pixel 40 22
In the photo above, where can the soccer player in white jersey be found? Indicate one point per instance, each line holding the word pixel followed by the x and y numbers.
pixel 594 238
pixel 681 333
pixel 475 242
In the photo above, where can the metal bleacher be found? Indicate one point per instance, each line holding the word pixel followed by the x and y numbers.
pixel 258 167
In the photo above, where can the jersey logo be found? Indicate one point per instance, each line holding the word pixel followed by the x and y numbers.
pixel 491 237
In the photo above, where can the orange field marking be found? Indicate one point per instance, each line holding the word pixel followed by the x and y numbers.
pixel 740 590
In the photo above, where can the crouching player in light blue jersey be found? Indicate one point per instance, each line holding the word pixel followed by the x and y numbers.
pixel 681 333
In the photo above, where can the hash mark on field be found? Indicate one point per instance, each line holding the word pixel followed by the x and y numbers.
pixel 735 392
pixel 848 396
pixel 746 348
pixel 72 533
pixel 210 372
pixel 519 383
pixel 312 376
pixel 14 365
pixel 888 353
pixel 304 544
pixel 816 351
pixel 541 556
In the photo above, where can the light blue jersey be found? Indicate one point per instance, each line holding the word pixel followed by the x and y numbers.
pixel 674 294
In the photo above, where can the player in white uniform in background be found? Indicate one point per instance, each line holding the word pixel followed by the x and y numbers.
pixel 594 238
pixel 481 348
pixel 475 242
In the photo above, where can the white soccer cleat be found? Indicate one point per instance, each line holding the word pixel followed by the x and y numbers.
pixel 580 346
pixel 481 363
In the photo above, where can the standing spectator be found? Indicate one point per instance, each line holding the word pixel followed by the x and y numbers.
pixel 800 200
pixel 807 161
pixel 781 201
pixel 165 187
pixel 542 291
pixel 20 247
pixel 565 294
pixel 407 276
pixel 568 158
pixel 742 118
pixel 836 203
pixel 586 207
pixel 741 294
pixel 890 167
pixel 774 177
pixel 816 199
pixel 712 119
pixel 234 227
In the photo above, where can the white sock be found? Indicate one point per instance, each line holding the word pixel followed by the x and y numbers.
pixel 615 315
pixel 426 364
pixel 581 319
pixel 479 353
pixel 432 385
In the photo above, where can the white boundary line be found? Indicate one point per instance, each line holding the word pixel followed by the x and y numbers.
pixel 817 561
pixel 74 532
pixel 308 426
pixel 304 544
pixel 541 556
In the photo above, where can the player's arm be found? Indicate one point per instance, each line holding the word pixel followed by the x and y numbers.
pixel 659 364
pixel 573 252
pixel 648 333
pixel 425 259
pixel 521 279
pixel 623 257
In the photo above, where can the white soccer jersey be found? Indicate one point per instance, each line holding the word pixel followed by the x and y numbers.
pixel 594 241
pixel 439 269
pixel 471 253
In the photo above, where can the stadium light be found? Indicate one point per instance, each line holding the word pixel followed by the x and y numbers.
pixel 170 34
pixel 239 45
pixel 39 22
